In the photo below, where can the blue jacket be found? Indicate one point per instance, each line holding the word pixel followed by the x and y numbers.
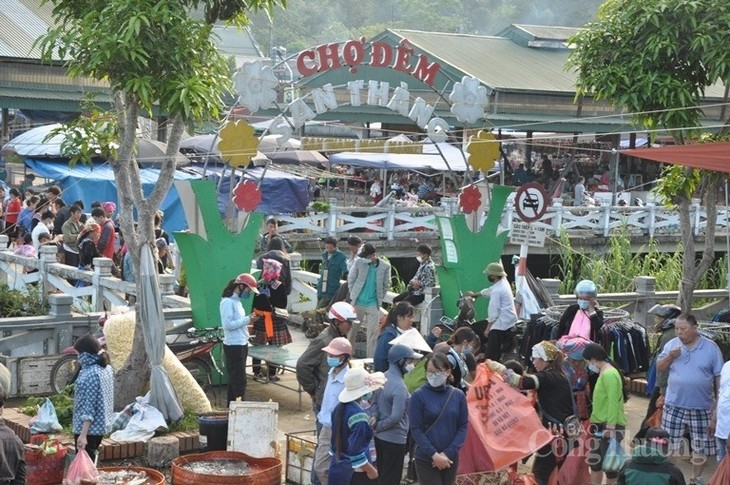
pixel 390 408
pixel 334 267
pixel 93 396
pixel 449 432
pixel 380 358
pixel 357 434
pixel 234 321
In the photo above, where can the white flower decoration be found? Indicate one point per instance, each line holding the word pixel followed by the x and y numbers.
pixel 256 85
pixel 469 100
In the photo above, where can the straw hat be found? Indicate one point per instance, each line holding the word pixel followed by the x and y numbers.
pixel 411 338
pixel 358 383
pixel 495 269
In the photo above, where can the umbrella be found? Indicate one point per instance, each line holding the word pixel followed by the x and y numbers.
pixel 33 144
pixel 162 394
pixel 298 157
pixel 203 144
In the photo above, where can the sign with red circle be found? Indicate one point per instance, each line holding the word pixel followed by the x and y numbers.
pixel 531 201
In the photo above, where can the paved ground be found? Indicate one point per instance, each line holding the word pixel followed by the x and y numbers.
pixel 292 419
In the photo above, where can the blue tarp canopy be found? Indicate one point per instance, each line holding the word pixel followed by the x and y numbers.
pixel 282 192
pixel 98 184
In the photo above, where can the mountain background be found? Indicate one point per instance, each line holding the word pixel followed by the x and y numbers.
pixel 306 23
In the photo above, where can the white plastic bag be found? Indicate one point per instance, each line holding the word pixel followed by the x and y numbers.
pixel 46 421
pixel 142 424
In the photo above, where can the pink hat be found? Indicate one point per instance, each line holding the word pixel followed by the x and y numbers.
pixel 109 206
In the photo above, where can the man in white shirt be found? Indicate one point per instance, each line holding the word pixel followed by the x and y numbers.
pixel 501 314
pixel 44 226
pixel 721 416
pixel 579 192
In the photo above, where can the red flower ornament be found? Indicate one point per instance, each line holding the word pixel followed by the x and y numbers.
pixel 470 199
pixel 246 196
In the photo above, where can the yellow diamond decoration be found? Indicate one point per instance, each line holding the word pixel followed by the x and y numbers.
pixel 483 150
pixel 238 143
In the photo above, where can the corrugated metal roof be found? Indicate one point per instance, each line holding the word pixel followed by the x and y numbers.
pixel 503 65
pixel 497 61
pixel 545 32
pixel 21 23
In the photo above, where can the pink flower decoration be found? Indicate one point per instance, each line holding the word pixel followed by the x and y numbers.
pixel 470 199
pixel 246 196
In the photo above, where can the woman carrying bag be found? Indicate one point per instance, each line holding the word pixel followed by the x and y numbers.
pixel 438 416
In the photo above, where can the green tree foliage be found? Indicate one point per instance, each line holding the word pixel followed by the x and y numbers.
pixel 158 60
pixel 655 58
pixel 300 25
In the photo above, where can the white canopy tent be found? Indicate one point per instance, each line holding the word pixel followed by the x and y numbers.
pixel 430 159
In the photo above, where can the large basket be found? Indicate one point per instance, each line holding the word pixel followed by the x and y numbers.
pixel 155 477
pixel 42 468
pixel 264 471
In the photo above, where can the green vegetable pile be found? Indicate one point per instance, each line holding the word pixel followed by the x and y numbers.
pixel 63 402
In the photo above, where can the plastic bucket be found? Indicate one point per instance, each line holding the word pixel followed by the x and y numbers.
pixel 262 471
pixel 154 477
pixel 213 429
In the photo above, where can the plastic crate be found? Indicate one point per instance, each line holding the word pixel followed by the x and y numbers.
pixel 300 448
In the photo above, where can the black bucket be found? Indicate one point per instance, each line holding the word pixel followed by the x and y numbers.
pixel 213 430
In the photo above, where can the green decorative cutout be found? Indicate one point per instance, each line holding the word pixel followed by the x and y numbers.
pixel 465 254
pixel 211 263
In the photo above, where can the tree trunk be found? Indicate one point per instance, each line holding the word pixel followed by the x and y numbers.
pixel 133 377
pixel 692 270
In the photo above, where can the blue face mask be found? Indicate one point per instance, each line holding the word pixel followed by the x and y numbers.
pixel 467 350
pixel 594 368
pixel 245 295
pixel 367 397
pixel 583 304
pixel 333 361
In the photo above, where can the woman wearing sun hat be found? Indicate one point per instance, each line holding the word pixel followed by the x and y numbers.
pixel 351 431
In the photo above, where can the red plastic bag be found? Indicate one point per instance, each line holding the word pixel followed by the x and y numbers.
pixel 655 420
pixel 574 469
pixel 503 425
pixel 81 468
pixel 722 474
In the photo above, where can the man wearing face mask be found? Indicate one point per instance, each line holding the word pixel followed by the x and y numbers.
pixel 501 315
pixel 235 332
pixel 583 318
pixel 339 352
pixel 389 415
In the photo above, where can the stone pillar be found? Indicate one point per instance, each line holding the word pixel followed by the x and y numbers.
pixel 102 269
pixel 60 306
pixel 48 255
pixel 646 291
pixel 295 261
pixel 331 229
pixel 167 284
pixel 3 245
pixel 552 286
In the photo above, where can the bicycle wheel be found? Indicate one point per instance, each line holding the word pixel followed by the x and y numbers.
pixel 200 370
pixel 64 372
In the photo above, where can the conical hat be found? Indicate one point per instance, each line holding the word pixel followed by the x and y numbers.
pixel 412 338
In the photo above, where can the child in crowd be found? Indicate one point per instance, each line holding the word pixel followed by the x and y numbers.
pixel 650 462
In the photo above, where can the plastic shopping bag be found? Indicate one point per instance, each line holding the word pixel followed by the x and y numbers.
pixel 81 468
pixel 503 425
pixel 46 421
pixel 143 423
pixel 615 457
pixel 722 474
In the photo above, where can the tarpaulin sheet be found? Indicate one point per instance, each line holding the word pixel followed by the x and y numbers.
pixel 708 156
pixel 97 184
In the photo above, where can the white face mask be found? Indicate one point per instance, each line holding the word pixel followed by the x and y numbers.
pixel 409 367
pixel 419 259
pixel 436 379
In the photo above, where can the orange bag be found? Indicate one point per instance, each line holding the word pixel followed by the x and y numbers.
pixel 503 425
pixel 655 420
pixel 722 474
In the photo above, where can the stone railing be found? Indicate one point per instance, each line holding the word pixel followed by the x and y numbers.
pixel 98 288
pixel 394 222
